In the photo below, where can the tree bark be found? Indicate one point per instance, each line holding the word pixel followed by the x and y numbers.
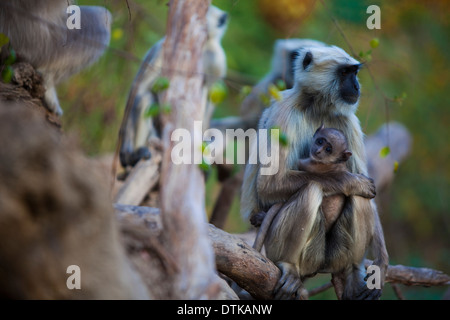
pixel 183 191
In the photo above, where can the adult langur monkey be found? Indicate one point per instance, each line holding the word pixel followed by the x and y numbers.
pixel 39 34
pixel 326 91
pixel 141 130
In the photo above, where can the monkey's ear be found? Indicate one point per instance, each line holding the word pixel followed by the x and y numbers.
pixel 320 128
pixel 346 155
pixel 307 60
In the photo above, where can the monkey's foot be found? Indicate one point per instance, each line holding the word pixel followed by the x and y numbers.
pixel 362 292
pixel 368 189
pixel 289 285
pixel 52 102
pixel 257 219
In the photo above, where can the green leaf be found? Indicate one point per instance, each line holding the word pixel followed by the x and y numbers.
pixel 166 108
pixel 265 99
pixel 281 84
pixel 204 166
pixel 384 152
pixel 395 166
pixel 7 74
pixel 218 92
pixel 275 92
pixel 3 39
pixel 11 58
pixel 153 111
pixel 375 42
pixel 161 84
pixel 282 137
pixel 401 98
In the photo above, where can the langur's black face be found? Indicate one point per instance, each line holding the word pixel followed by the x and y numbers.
pixel 349 85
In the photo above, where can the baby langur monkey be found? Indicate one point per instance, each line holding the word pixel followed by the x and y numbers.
pixel 328 155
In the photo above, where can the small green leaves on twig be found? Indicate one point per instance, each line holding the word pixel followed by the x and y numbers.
pixel 281 84
pixel 395 166
pixel 275 92
pixel 384 152
pixel 265 99
pixel 155 109
pixel 217 92
pixel 375 42
pixel 367 56
pixel 161 84
pixel 3 40
pixel 282 137
pixel 204 166
pixel 244 92
pixel 401 98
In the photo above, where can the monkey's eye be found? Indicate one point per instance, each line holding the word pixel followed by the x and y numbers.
pixel 319 141
pixel 344 72
pixel 328 149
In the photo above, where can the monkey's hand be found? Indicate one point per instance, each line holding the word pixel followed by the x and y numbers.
pixel 289 285
pixel 257 219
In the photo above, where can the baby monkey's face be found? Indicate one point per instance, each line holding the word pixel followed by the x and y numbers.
pixel 329 146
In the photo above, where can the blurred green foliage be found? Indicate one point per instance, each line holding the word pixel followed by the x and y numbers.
pixel 410 65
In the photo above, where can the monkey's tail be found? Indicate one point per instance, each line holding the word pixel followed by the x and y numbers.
pixel 261 236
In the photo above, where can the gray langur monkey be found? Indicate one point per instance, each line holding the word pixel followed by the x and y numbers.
pixel 284 53
pixel 39 35
pixel 140 131
pixel 326 91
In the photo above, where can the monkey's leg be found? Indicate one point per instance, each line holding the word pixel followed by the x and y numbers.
pixel 137 130
pixel 364 223
pixel 82 47
pixel 288 235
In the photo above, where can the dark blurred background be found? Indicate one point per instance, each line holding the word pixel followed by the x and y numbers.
pixel 410 84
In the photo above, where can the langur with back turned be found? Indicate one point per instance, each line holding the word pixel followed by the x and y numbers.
pixel 140 131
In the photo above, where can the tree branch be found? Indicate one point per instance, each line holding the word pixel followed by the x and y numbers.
pixel 253 272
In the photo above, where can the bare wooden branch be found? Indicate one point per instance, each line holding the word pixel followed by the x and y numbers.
pixel 397 291
pixel 225 199
pixel 412 276
pixel 253 272
pixel 183 191
pixel 142 178
pixel 248 268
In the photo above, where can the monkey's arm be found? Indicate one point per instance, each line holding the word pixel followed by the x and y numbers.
pixel 279 188
pixel 305 165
